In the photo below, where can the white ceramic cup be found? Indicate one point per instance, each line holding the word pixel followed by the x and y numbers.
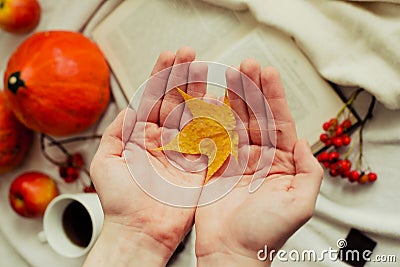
pixel 54 232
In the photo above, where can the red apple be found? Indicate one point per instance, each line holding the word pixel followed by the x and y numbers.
pixel 31 192
pixel 19 16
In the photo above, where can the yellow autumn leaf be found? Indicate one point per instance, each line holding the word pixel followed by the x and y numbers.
pixel 220 113
pixel 210 133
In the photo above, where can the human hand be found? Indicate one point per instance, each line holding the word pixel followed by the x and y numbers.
pixel 233 229
pixel 139 229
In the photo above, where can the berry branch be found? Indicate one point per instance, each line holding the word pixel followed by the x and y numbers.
pixel 70 168
pixel 336 134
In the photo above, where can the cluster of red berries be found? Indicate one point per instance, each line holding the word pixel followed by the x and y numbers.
pixel 70 171
pixel 335 133
pixel 71 168
pixel 342 167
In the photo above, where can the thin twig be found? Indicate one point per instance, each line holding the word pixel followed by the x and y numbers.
pixel 75 139
pixel 363 122
pixel 350 101
pixel 46 155
pixel 58 144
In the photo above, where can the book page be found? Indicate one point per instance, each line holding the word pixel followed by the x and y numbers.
pixel 135 34
pixel 311 99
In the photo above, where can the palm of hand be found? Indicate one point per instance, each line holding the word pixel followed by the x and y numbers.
pixel 124 201
pixel 146 138
pixel 244 222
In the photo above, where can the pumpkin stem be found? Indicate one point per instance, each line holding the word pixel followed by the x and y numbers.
pixel 15 82
pixel 1 4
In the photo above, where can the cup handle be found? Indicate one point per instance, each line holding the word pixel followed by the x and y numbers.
pixel 42 237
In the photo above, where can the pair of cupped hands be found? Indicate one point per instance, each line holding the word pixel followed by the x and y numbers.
pixel 140 230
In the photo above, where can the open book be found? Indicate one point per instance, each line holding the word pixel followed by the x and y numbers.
pixel 137 31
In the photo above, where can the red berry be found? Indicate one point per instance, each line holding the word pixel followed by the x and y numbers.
pixel 62 170
pixel 326 164
pixel 333 156
pixel 345 166
pixel 346 124
pixel 353 176
pixel 345 174
pixel 333 172
pixel 72 174
pixel 339 130
pixel 363 179
pixel 333 169
pixel 326 126
pixel 372 177
pixel 328 142
pixel 77 160
pixel 340 165
pixel 69 179
pixel 346 140
pixel 335 166
pixel 333 122
pixel 89 189
pixel 337 141
pixel 324 137
pixel 323 156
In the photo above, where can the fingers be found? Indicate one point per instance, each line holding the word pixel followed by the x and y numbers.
pixel 258 125
pixel 237 99
pixel 272 89
pixel 308 178
pixel 196 87
pixel 236 94
pixel 149 108
pixel 197 79
pixel 171 110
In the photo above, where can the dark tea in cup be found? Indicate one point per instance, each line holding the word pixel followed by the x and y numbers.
pixel 77 224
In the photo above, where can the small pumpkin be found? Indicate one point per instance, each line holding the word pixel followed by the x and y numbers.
pixel 58 82
pixel 15 138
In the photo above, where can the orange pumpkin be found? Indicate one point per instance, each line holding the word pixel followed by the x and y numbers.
pixel 57 82
pixel 15 138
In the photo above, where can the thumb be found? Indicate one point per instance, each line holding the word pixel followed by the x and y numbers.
pixel 309 172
